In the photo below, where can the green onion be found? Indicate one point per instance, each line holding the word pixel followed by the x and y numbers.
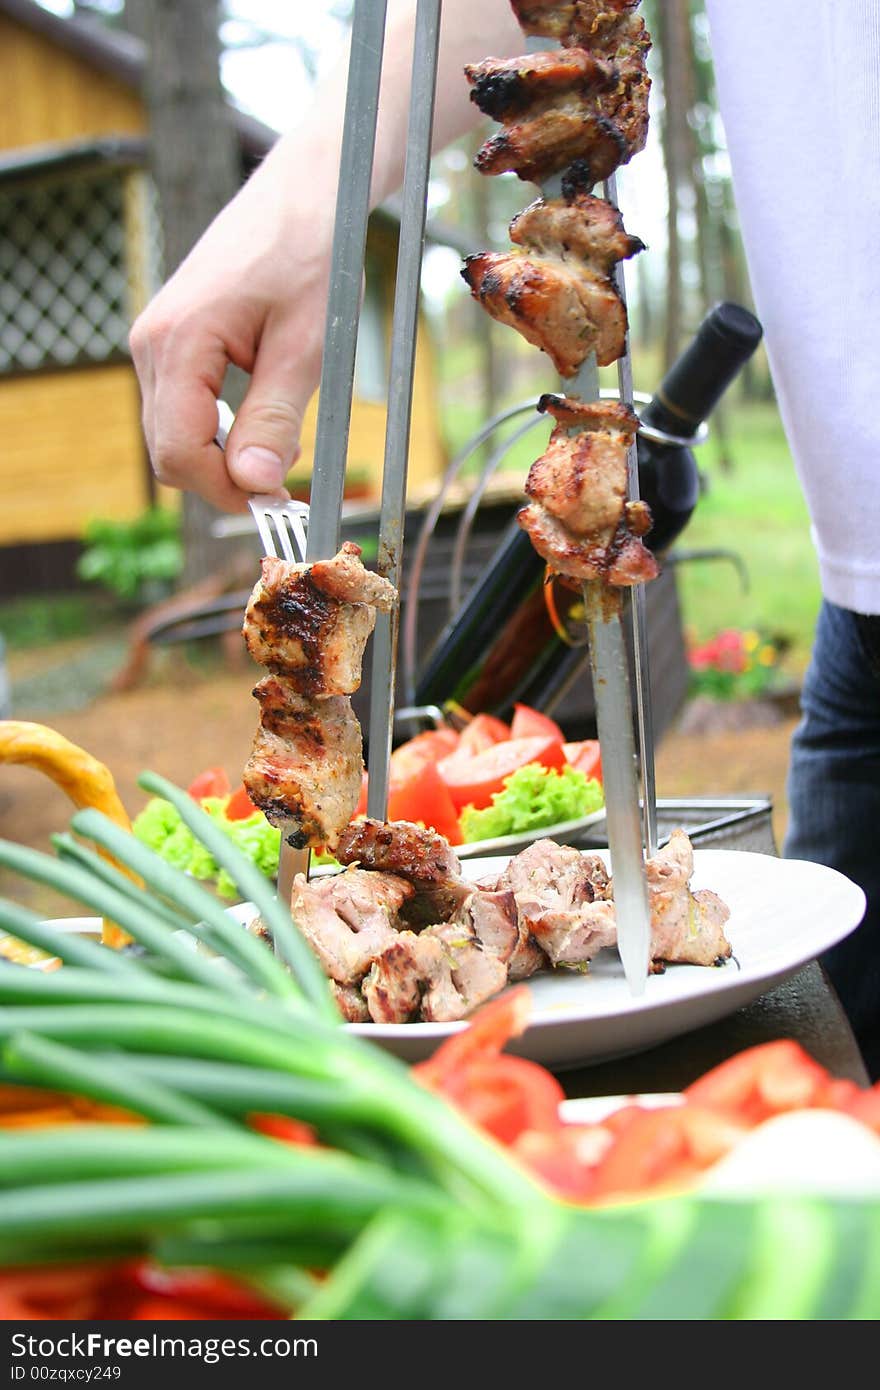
pixel 71 947
pixel 254 887
pixel 135 919
pixel 37 1062
pixel 199 905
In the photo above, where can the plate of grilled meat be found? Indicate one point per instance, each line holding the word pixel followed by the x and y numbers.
pixel 413 939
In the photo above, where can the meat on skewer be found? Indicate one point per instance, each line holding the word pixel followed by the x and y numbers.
pixel 557 291
pixel 558 117
pixel 604 26
pixel 305 768
pixel 310 623
pixel 579 520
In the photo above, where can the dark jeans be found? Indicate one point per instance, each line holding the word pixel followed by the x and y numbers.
pixel 834 798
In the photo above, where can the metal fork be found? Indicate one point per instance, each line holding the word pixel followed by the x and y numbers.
pixel 279 523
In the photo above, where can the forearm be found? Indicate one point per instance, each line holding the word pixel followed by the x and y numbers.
pixel 470 30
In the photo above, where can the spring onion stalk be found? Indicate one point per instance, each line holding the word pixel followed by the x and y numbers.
pixel 255 888
pixel 70 947
pixel 309 1193
pixel 192 899
pixel 71 851
pixel 69 1154
pixel 240 1090
pixel 136 920
pixel 36 1062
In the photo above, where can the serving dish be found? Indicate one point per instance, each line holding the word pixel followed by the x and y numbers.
pixel 784 913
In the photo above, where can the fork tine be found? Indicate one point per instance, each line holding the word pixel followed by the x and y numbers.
pixel 262 525
pixel 280 519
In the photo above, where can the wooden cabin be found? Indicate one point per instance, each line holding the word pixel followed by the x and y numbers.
pixel 79 258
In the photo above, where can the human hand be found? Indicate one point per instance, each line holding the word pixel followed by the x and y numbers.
pixel 252 292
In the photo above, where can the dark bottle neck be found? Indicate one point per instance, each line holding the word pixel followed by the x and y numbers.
pixel 695 383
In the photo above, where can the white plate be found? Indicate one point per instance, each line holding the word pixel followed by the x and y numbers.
pixel 784 913
pixel 510 844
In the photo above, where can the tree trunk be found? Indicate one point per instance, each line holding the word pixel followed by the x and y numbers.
pixel 197 169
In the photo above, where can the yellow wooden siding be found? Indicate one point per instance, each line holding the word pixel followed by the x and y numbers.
pixel 69 450
pixel 49 95
pixel 366 445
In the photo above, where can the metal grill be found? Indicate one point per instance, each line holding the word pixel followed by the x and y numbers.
pixel 63 289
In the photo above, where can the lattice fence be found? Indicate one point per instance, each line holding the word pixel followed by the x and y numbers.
pixel 63 288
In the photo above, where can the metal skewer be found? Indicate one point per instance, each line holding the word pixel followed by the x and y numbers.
pixel 402 365
pixel 613 701
pixel 343 314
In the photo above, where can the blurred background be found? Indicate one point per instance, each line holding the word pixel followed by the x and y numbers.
pixel 124 127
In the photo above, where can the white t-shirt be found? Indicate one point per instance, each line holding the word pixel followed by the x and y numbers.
pixel 799 89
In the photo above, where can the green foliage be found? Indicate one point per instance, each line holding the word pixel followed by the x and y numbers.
pixel 123 556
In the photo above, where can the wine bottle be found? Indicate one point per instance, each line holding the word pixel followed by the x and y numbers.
pixel 515 640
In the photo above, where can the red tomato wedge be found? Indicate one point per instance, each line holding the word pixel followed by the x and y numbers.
pixel 473 781
pixel 426 798
pixel 531 723
pixel 482 732
pixel 585 756
pixel 506 1096
pixel 212 782
pixel 418 752
pixel 239 806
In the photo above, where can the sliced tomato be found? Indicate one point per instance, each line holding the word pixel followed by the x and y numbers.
pixel 566 1159
pixel 762 1081
pixel 426 798
pixel 667 1147
pixel 585 756
pixel 215 1295
pixel 212 782
pixel 490 1028
pixel 409 758
pixel 473 781
pixel 506 1096
pixel 239 806
pixel 531 723
pixel 482 732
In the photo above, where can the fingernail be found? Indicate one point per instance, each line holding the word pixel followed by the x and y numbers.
pixel 259 468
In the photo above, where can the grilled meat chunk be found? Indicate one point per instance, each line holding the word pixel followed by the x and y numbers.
pixel 603 26
pixel 561 899
pixel 557 289
pixel 344 578
pixel 304 622
pixel 438 976
pixel 586 228
pixel 562 307
pixel 594 126
pixel 304 771
pixel 581 478
pixel 686 927
pixel 421 856
pixel 348 919
pixel 351 1003
pixel 504 88
pixel 399 847
pixel 621 562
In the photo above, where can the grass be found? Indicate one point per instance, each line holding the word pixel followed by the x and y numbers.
pixel 757 511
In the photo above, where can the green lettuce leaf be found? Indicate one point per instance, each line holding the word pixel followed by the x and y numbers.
pixel 533 797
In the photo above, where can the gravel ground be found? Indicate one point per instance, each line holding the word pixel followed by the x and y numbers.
pixel 187 719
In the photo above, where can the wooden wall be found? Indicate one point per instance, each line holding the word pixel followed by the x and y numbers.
pixel 69 450
pixel 48 94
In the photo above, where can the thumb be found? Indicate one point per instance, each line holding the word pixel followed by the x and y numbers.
pixel 263 444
